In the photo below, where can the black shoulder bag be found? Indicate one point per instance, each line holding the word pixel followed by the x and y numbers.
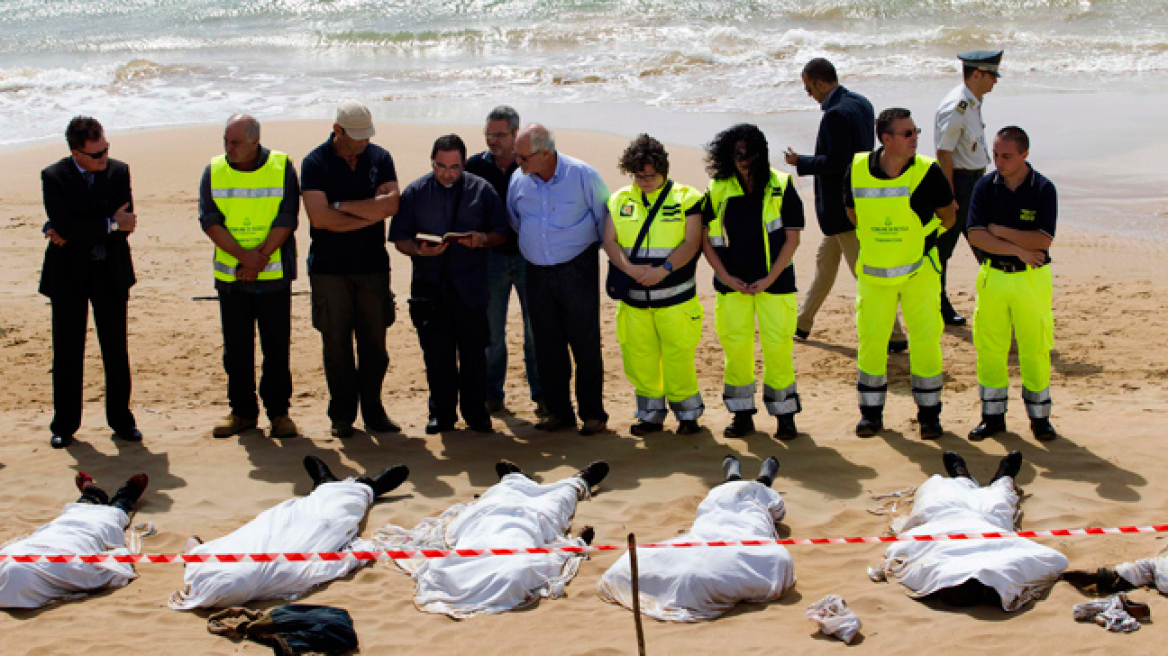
pixel 618 282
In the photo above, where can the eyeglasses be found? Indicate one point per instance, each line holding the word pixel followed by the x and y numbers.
pixel 645 177
pixel 907 134
pixel 497 135
pixel 457 168
pixel 743 156
pixel 98 155
pixel 523 158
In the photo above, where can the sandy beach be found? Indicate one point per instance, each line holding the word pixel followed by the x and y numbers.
pixel 1110 360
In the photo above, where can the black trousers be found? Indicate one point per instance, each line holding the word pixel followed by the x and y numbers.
pixel 454 339
pixel 963 182
pixel 241 313
pixel 345 307
pixel 564 303
pixel 70 321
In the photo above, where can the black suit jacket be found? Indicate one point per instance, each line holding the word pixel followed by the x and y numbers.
pixel 848 127
pixel 80 216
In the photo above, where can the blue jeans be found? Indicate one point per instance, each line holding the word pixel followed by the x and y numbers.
pixel 503 272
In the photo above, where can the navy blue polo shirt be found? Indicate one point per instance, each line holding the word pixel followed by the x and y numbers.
pixel 362 250
pixel 483 165
pixel 1032 206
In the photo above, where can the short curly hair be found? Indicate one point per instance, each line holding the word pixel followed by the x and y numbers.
pixel 644 151
pixel 720 163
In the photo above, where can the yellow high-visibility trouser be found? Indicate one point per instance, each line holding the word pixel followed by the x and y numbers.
pixel 919 297
pixel 1021 302
pixel 777 314
pixel 659 349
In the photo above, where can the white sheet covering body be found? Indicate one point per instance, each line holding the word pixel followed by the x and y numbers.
pixel 1147 571
pixel 326 520
pixel 515 513
pixel 80 529
pixel 687 585
pixel 1018 569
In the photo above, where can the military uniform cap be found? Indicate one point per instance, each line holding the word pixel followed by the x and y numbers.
pixel 986 61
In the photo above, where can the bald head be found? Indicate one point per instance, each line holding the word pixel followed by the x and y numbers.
pixel 535 149
pixel 241 141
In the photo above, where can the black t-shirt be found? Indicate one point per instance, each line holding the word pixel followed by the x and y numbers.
pixel 933 191
pixel 745 255
pixel 359 251
pixel 1032 206
pixel 483 165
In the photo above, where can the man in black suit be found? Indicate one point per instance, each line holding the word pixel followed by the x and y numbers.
pixel 847 128
pixel 90 209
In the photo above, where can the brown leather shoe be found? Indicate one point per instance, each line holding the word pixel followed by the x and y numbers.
pixel 232 425
pixel 284 427
pixel 593 427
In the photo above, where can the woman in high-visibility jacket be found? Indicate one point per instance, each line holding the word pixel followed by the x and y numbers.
pixel 753 217
pixel 659 322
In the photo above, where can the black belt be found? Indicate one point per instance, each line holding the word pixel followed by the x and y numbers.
pixel 1011 267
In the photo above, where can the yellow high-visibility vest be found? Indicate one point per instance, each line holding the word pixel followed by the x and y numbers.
pixel 722 191
pixel 249 201
pixel 892 239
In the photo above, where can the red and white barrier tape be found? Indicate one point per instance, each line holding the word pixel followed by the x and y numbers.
pixel 394 554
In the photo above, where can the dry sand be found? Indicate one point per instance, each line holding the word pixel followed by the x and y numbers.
pixel 1107 386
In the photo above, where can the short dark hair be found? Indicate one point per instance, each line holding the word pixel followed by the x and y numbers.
pixel 644 151
pixel 822 70
pixel 888 117
pixel 505 113
pixel 1017 135
pixel 82 130
pixel 968 71
pixel 448 142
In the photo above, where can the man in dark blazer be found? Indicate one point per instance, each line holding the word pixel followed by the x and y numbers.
pixel 90 209
pixel 847 127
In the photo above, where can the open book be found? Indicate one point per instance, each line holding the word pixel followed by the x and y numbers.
pixel 438 239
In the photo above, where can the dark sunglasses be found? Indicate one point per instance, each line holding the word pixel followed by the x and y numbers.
pixel 908 134
pixel 98 155
pixel 743 156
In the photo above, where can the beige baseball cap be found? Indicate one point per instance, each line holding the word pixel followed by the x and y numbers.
pixel 355 119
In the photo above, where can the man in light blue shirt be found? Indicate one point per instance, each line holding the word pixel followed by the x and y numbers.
pixel 557 206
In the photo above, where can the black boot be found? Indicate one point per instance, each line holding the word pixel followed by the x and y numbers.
pixel 129 493
pixel 319 471
pixel 955 465
pixel 872 421
pixel 688 427
pixel 504 467
pixel 948 314
pixel 742 425
pixel 594 473
pixel 731 469
pixel 929 419
pixel 1010 466
pixel 643 428
pixel 786 430
pixel 1042 429
pixel 990 425
pixel 387 481
pixel 770 468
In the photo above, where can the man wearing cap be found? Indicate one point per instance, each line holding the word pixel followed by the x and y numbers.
pixel 962 152
pixel 249 202
pixel 1012 216
pixel 846 129
pixel 349 187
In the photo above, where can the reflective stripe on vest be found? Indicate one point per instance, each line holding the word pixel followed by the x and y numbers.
pixel 892 239
pixel 661 294
pixel 721 191
pixel 666 233
pixel 249 201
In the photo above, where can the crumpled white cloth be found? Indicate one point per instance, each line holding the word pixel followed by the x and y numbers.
pixel 692 584
pixel 1108 613
pixel 1146 571
pixel 81 528
pixel 835 618
pixel 1018 569
pixel 326 520
pixel 515 513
